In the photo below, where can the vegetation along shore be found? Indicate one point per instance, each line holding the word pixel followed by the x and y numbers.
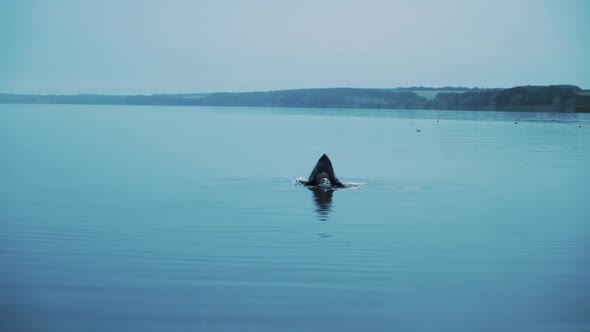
pixel 552 98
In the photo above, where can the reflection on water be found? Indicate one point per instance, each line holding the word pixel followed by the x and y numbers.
pixel 323 200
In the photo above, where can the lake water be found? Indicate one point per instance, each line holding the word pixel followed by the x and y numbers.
pixel 131 218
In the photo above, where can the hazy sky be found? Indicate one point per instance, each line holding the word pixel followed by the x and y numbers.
pixel 202 46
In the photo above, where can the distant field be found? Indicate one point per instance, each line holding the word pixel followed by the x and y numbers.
pixel 194 95
pixel 431 94
pixel 183 95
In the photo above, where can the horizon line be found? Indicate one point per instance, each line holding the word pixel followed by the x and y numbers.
pixel 288 89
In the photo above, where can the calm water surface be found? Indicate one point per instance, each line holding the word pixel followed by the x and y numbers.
pixel 120 218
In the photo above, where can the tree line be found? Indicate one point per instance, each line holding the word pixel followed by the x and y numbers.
pixel 555 98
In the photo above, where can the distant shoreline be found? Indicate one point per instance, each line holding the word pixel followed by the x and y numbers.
pixel 552 98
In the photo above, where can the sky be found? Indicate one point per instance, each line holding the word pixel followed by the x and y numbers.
pixel 144 47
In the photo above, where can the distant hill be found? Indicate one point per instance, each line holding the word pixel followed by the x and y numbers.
pixel 553 98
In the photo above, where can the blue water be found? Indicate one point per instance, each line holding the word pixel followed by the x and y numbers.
pixel 125 218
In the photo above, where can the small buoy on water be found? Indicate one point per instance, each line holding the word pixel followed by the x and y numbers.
pixel 418 130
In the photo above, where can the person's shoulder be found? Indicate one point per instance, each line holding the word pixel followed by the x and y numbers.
pixel 339 185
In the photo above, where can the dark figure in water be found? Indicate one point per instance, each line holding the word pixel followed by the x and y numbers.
pixel 323 175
